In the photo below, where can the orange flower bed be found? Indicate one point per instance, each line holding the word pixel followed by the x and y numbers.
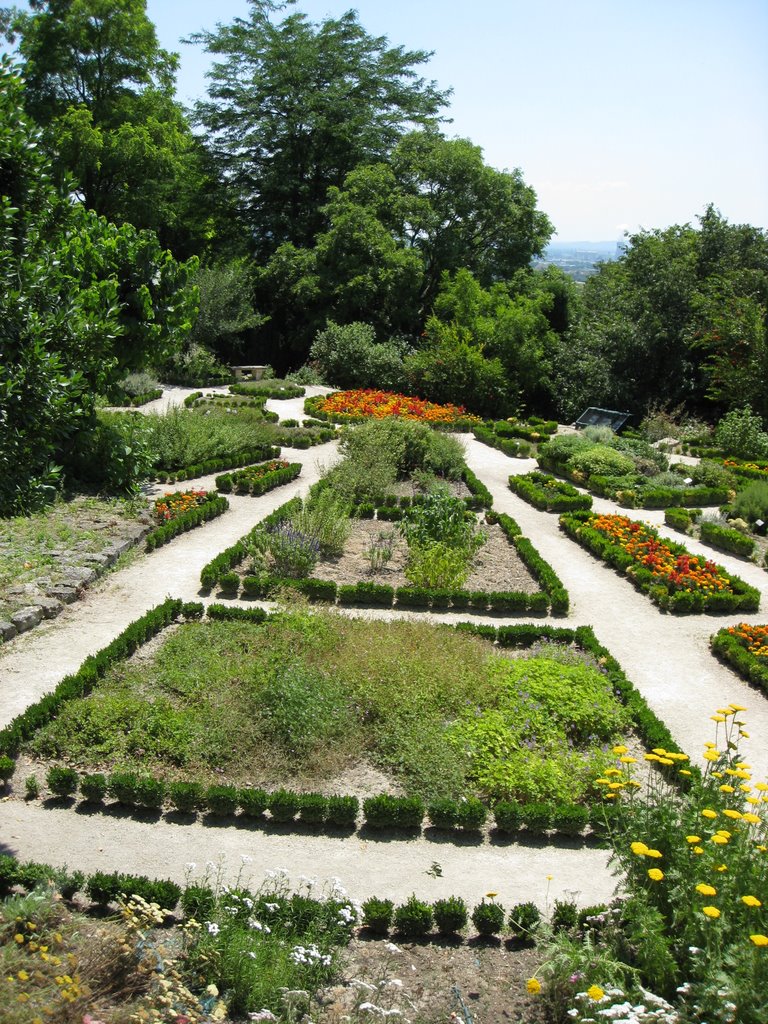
pixel 753 638
pixel 379 405
pixel 678 571
pixel 175 504
pixel 751 467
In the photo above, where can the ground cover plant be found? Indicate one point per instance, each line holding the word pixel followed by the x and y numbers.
pixel 361 404
pixel 745 648
pixel 306 696
pixel 672 577
pixel 691 925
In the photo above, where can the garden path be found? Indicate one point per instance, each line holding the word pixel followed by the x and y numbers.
pixel 667 657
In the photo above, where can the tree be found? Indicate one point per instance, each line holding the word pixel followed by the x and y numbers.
pixel 102 89
pixel 293 107
pixel 81 303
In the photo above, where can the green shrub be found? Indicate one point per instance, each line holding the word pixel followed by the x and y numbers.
pixel 122 787
pixel 751 502
pixel 437 567
pixel 284 805
pixel 350 357
pixel 600 460
pixel 377 915
pixel 450 915
pixel 537 818
pixel 342 811
pixel 103 888
pixel 488 918
pixel 386 811
pixel 313 808
pixel 471 814
pixel 740 433
pixel 524 921
pixel 443 813
pixel 570 819
pixel 508 816
pixel 253 802
pixel 726 539
pixel 229 582
pixel 325 517
pixel 198 902
pixel 221 799
pixel 186 797
pixel 413 919
pixel 150 793
pixel 93 787
pixel 31 788
pixel 565 916
pixel 7 767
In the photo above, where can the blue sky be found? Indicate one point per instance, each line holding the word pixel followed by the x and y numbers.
pixel 620 114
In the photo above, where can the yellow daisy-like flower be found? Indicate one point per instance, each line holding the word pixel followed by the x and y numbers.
pixel 639 849
pixel 655 875
pixel 717 718
pixel 719 840
pixel 654 853
pixel 751 901
pixel 706 890
pixel 698 849
pixel 727 789
pixel 534 986
pixel 712 912
pixel 707 813
pixel 721 867
pixel 762 786
pixel 732 814
pixel 22 976
pixel 724 832
pixel 737 707
pixel 18 938
pixel 759 940
pixel 711 755
pixel 628 760
pixel 491 895
pixel 595 993
pixel 745 787
pixel 693 839
pixel 684 771
pixel 754 819
pixel 620 749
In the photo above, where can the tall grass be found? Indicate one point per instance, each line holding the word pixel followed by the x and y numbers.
pixel 183 437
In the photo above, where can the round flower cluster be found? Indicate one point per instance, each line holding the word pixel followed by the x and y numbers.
pixel 382 404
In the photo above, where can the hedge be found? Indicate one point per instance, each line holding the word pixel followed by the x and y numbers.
pixel 681 518
pixel 749 666
pixel 243 457
pixel 741 596
pixel 244 481
pixel 266 390
pixel 135 400
pixel 514 449
pixel 213 506
pixel 725 538
pixel 82 682
pixel 547 494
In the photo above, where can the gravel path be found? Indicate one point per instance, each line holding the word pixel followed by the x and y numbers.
pixel 667 657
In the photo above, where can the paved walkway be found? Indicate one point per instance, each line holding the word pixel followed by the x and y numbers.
pixel 667 657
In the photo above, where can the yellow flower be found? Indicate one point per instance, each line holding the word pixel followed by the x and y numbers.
pixel 751 901
pixel 719 840
pixel 655 875
pixel 534 986
pixel 707 813
pixel 717 718
pixel 698 849
pixel 754 819
pixel 721 867
pixel 745 787
pixel 491 895
pixel 711 912
pixel 727 789
pixel 724 832
pixel 18 938
pixel 640 849
pixel 737 707
pixel 706 890
pixel 653 853
pixel 762 786
pixel 595 993
pixel 659 750
pixel 759 940
pixel 628 760
pixel 732 814
pixel 22 976
pixel 693 839
pixel 684 771
pixel 620 750
pixel 711 755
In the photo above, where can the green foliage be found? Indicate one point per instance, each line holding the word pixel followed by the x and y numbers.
pixel 565 915
pixel 93 787
pixel 193 366
pixel 183 437
pixel 449 370
pixel 7 767
pixel 377 915
pixel 740 433
pixel 600 460
pixel 324 516
pixel 751 502
pixel 349 357
pixel 31 788
pixel 302 708
pixel 221 799
pixel 387 811
pixel 726 539
pixel 435 566
pixel 524 921
pixel 413 919
pixel 226 314
pixel 450 915
pixel 488 918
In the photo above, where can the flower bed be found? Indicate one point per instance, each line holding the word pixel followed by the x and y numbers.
pixel 745 648
pixel 672 577
pixel 749 470
pixel 363 404
pixel 548 494
pixel 256 480
pixel 181 511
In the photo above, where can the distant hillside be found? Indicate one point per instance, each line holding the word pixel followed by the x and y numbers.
pixel 579 259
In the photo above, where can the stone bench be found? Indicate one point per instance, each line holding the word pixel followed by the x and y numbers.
pixel 251 372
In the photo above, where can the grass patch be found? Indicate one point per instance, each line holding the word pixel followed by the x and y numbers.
pixel 308 696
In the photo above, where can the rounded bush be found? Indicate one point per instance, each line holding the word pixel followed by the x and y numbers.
pixel 377 915
pixel 186 797
pixel 508 816
pixel 313 808
pixel 488 918
pixel 442 813
pixel 284 805
pixel 198 901
pixel 62 782
pixel 93 787
pixel 150 793
pixel 450 915
pixel 471 814
pixel 7 767
pixel 253 802
pixel 343 811
pixel 565 916
pixel 221 799
pixel 524 920
pixel 414 918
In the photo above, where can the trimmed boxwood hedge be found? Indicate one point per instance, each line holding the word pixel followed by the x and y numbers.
pixel 749 666
pixel 243 457
pixel 548 494
pixel 742 597
pixel 212 507
pixel 724 538
pixel 243 481
pixel 515 449
pixel 265 389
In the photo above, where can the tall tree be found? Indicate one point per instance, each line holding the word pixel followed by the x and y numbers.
pixel 102 88
pixel 294 106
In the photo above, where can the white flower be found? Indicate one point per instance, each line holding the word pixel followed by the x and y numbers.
pixel 213 928
pixel 246 859
pixel 272 907
pixel 190 865
pixel 262 1015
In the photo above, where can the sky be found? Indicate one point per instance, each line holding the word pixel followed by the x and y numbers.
pixel 621 115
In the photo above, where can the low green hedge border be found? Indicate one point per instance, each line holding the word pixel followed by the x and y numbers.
pixel 263 389
pixel 242 482
pixel 135 400
pixel 547 494
pixel 681 519
pixel 213 506
pixel 724 538
pixel 234 460
pixel 742 597
pixel 514 448
pixel 226 560
pixel 748 665
pixel 93 668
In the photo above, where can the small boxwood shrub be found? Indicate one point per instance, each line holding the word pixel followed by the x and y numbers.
pixel 7 767
pixel 570 819
pixel 221 799
pixel 537 818
pixel 150 793
pixel 103 887
pixel 343 811
pixel 508 816
pixel 524 921
pixel 253 802
pixel 93 787
pixel 284 805
pixel 442 813
pixel 450 915
pixel 488 918
pixel 725 538
pixel 122 787
pixel 386 811
pixel 313 808
pixel 414 918
pixel 377 915
pixel 229 582
pixel 186 797
pixel 471 814
pixel 565 916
